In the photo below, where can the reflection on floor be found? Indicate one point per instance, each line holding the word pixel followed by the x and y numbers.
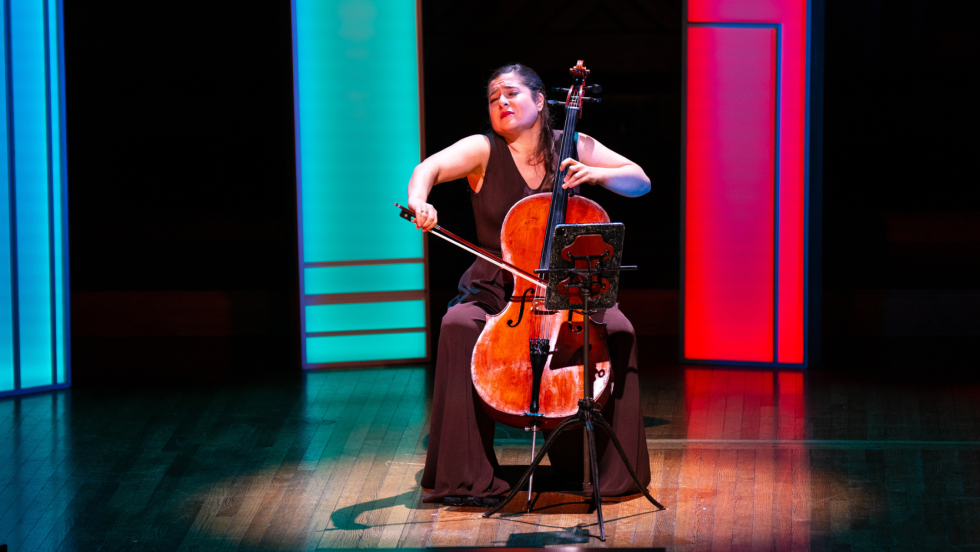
pixel 743 459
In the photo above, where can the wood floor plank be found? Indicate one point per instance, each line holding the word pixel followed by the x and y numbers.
pixel 26 415
pixel 705 501
pixel 918 508
pixel 197 481
pixel 392 475
pixel 934 466
pixel 734 405
pixel 782 503
pixel 41 478
pixel 31 527
pixel 762 501
pixel 948 428
pixel 27 462
pixel 625 523
pixel 55 529
pixel 341 417
pixel 857 413
pixel 910 415
pixel 725 502
pixel 87 524
pixel 685 525
pixel 206 526
pixel 717 404
pixel 964 414
pixel 342 530
pixel 409 495
pixel 839 499
pixel 741 534
pixel 186 484
pixel 352 464
pixel 331 415
pixel 766 388
pixel 881 536
pixel 901 505
pixel 377 493
pixel 646 513
pixel 801 505
pixel 858 489
pixel 820 484
pixel 669 495
pixel 698 393
pixel 53 511
pixel 288 526
pixel 754 382
pixel 875 413
pixel 265 489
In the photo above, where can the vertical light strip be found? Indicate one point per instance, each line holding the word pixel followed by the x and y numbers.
pixel 34 339
pixel 358 137
pixel 27 58
pixel 57 192
pixel 7 366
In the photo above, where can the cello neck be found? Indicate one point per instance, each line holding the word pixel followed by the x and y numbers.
pixel 559 195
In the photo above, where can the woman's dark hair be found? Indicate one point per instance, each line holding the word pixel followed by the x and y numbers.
pixel 545 152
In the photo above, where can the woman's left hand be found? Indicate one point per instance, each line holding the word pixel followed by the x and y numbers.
pixel 578 173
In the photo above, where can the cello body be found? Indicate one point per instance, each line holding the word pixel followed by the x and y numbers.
pixel 501 365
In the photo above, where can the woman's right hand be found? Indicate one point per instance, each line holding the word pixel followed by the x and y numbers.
pixel 426 216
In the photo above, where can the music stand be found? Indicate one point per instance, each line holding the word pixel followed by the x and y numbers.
pixel 585 262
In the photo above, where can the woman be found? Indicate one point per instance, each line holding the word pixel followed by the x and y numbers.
pixel 511 162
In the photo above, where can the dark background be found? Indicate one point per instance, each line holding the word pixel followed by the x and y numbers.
pixel 182 171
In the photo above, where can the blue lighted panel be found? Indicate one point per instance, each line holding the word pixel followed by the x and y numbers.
pixel 362 268
pixel 33 252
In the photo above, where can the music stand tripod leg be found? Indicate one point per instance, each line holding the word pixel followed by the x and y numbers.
pixel 590 432
pixel 601 422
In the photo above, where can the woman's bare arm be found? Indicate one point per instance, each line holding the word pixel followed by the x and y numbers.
pixel 600 165
pixel 468 157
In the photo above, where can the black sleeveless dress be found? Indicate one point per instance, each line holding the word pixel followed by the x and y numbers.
pixel 460 459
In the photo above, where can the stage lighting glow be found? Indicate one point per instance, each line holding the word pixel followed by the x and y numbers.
pixel 358 137
pixel 33 201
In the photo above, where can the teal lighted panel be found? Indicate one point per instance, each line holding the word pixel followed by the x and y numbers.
pixel 356 87
pixel 34 337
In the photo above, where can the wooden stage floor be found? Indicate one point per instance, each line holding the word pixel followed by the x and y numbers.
pixel 743 459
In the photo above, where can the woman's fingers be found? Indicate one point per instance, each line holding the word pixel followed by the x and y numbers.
pixel 433 218
pixel 426 217
pixel 577 173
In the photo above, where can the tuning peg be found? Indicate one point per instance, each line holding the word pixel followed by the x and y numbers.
pixel 591 89
pixel 592 100
pixel 555 102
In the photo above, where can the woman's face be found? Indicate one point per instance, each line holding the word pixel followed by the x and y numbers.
pixel 513 107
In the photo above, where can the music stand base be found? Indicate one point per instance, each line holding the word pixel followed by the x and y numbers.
pixel 590 418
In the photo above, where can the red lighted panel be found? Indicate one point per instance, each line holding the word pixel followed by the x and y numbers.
pixel 745 166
